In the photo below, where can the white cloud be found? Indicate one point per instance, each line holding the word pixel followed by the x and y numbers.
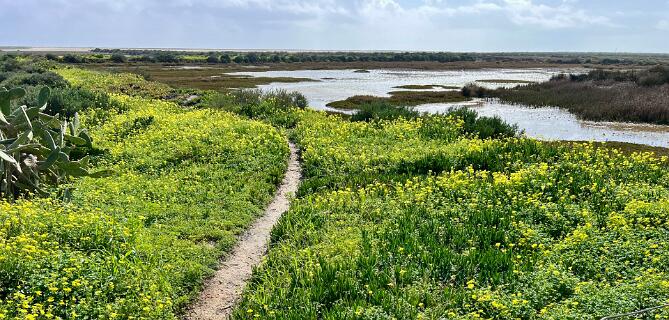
pixel 519 12
pixel 339 24
pixel 526 12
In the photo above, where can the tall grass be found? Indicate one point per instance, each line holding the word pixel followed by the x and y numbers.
pixel 640 96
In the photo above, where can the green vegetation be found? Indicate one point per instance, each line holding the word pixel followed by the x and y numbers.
pixel 276 107
pixel 138 243
pixel 633 96
pixel 35 147
pixel 424 87
pixel 281 57
pixel 414 218
pixel 399 216
pixel 483 127
pixel 28 74
pixel 401 98
pixel 353 58
pixel 472 124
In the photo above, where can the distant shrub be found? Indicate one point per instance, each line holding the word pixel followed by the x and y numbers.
pixel 9 64
pixel 656 76
pixel 225 58
pixel 25 79
pixel 474 91
pixel 118 58
pixel 166 57
pixel 71 58
pixel 239 59
pixel 212 59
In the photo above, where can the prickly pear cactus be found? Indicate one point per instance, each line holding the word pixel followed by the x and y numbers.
pixel 35 147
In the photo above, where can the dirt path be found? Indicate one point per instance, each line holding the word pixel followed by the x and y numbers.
pixel 224 289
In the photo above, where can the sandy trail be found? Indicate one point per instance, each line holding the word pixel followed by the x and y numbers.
pixel 223 290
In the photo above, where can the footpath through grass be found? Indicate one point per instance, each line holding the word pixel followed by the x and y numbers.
pixel 413 219
pixel 139 243
pixel 440 217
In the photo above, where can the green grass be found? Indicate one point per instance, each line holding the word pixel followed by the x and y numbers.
pixel 401 98
pixel 398 221
pixel 139 243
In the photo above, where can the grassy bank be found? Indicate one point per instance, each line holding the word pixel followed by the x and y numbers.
pixel 401 98
pixel 639 96
pixel 139 243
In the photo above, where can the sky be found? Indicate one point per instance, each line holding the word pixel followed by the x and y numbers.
pixel 417 25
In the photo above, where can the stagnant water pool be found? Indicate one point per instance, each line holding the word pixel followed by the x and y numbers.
pixel 542 123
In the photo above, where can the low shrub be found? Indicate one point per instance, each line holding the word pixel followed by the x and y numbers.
pixel 483 127
pixel 118 58
pixel 474 91
pixel 276 107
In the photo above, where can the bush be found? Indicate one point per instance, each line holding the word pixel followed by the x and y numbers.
pixel 276 107
pixel 118 58
pixel 71 58
pixel 483 127
pixel 25 79
pixel 212 59
pixel 166 57
pixel 226 58
pixel 474 91
pixel 69 101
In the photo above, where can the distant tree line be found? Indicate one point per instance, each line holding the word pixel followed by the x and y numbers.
pixel 227 57
pixel 287 57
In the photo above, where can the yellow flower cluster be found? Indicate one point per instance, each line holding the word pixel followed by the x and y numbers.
pixel 403 225
pixel 131 246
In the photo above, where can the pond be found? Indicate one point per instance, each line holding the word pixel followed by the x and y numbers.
pixel 541 123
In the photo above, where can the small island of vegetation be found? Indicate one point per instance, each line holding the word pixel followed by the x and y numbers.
pixel 402 98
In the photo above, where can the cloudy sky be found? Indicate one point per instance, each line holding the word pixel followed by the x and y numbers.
pixel 450 25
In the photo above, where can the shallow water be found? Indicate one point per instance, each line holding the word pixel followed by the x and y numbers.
pixel 336 85
pixel 559 124
pixel 542 123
